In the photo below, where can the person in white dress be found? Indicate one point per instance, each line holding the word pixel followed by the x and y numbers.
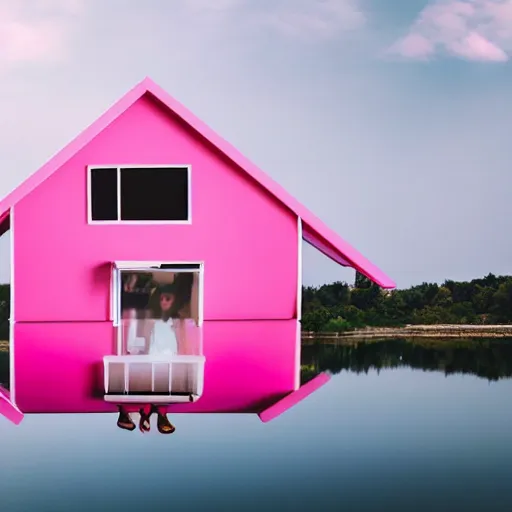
pixel 163 339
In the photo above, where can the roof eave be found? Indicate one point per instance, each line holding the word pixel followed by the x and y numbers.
pixel 293 398
pixel 334 247
pixel 8 409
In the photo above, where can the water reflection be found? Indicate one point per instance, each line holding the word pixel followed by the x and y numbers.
pixel 400 440
pixel 486 358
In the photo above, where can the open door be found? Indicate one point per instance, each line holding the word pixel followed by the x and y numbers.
pixel 157 312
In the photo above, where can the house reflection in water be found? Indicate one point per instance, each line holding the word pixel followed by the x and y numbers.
pixel 168 271
pixel 237 381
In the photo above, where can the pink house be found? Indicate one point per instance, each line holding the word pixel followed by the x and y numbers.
pixel 149 205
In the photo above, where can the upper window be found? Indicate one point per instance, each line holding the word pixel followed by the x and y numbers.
pixel 139 194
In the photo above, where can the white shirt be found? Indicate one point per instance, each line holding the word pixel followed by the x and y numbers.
pixel 163 339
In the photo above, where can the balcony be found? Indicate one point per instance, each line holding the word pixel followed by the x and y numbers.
pixel 154 379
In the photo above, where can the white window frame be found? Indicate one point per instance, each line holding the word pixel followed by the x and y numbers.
pixel 141 167
pixel 149 266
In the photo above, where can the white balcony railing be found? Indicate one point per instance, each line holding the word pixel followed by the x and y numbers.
pixel 154 379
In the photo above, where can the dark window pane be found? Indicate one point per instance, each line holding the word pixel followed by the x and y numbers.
pixel 154 194
pixel 104 194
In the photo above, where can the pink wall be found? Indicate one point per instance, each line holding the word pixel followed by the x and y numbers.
pixel 247 240
pixel 249 365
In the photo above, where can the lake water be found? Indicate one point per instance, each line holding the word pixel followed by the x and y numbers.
pixel 395 429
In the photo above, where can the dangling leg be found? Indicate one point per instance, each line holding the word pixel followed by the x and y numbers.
pixel 124 421
pixel 145 415
pixel 163 423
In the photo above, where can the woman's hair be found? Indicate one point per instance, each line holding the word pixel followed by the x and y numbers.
pixel 154 302
pixel 180 289
pixel 183 285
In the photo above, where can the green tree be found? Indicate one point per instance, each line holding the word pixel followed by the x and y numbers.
pixel 443 297
pixel 502 302
pixel 338 324
pixel 334 294
pixel 353 315
pixel 315 320
pixel 482 300
pixel 361 281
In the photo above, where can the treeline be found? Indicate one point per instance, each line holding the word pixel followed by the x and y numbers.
pixel 338 307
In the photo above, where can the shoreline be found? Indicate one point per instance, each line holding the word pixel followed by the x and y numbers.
pixel 440 332
pixel 416 331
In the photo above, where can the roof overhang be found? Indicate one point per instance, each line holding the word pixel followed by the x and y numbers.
pixel 5 222
pixel 339 251
pixel 294 398
pixel 8 409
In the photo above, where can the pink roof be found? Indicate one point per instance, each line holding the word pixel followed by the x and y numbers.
pixel 5 222
pixel 294 398
pixel 314 230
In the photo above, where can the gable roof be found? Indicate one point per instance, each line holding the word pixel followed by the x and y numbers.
pixel 314 230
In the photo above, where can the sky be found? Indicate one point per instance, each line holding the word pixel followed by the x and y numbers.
pixel 389 120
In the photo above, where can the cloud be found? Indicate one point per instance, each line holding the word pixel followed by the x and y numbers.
pixel 213 5
pixel 474 30
pixel 35 31
pixel 303 19
pixel 317 19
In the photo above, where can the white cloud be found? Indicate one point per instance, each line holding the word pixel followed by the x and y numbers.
pixel 475 30
pixel 35 31
pixel 305 19
pixel 40 31
pixel 213 5
pixel 317 19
